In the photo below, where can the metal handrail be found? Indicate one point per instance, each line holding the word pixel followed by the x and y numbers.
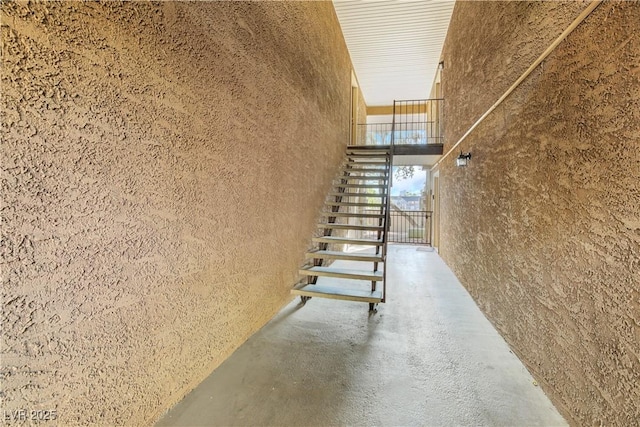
pixel 387 217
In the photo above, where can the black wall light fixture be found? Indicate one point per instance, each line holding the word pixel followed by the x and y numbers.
pixel 463 159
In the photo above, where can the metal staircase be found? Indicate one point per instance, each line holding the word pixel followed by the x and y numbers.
pixel 355 217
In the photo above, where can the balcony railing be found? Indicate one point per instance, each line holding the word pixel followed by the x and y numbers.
pixel 374 134
pixel 414 122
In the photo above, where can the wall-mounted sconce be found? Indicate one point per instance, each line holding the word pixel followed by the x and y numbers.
pixel 463 159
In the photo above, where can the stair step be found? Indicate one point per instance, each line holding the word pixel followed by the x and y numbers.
pixel 377 172
pixel 339 194
pixel 351 227
pixel 367 152
pixel 333 292
pixel 361 185
pixel 375 158
pixel 343 273
pixel 362 175
pixel 363 178
pixel 344 256
pixel 372 158
pixel 352 155
pixel 348 241
pixel 367 163
pixel 353 215
pixel 358 150
pixel 364 156
pixel 366 166
pixel 355 204
pixel 368 147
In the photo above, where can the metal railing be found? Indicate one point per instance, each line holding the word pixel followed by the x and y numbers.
pixel 386 214
pixel 418 121
pixel 404 227
pixel 410 227
pixel 374 134
pixel 415 122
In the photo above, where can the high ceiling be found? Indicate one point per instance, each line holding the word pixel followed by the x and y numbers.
pixel 395 46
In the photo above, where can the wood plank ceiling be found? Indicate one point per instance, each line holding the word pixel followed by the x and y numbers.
pixel 395 45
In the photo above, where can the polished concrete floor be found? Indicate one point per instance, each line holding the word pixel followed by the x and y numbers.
pixel 427 358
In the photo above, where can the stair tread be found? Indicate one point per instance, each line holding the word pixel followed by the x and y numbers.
pixel 367 163
pixel 363 178
pixel 353 214
pixel 373 158
pixel 334 292
pixel 353 193
pixel 354 204
pixel 346 240
pixel 378 172
pixel 357 195
pixel 351 227
pixel 372 151
pixel 361 185
pixel 349 166
pixel 353 173
pixel 345 256
pixel 344 273
pixel 368 151
pixel 368 147
pixel 352 155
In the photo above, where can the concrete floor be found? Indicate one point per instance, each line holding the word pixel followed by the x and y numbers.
pixel 428 357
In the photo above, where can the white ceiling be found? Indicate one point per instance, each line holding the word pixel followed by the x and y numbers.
pixel 395 45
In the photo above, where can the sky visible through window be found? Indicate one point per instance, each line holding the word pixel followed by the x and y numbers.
pixel 410 186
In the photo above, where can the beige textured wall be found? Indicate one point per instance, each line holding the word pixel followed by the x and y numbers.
pixel 361 118
pixel 162 169
pixel 543 227
pixel 483 57
pixel 362 109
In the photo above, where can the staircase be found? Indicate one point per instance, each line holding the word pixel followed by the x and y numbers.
pixel 355 217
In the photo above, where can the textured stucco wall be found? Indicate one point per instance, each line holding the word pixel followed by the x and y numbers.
pixel 162 169
pixel 488 52
pixel 543 227
pixel 361 118
pixel 362 109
